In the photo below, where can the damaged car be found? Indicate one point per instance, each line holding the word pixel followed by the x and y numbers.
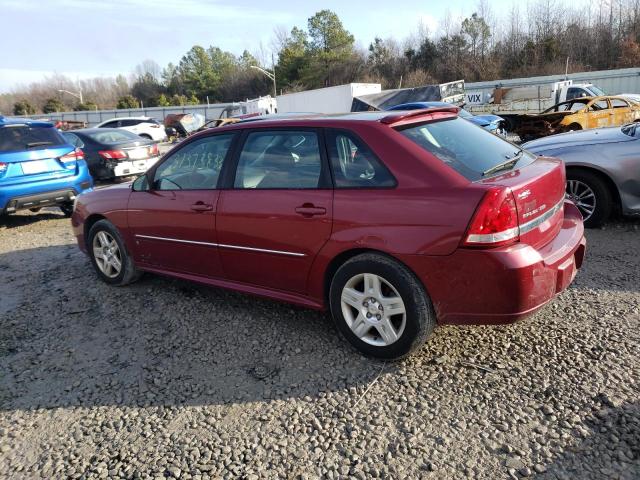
pixel 577 114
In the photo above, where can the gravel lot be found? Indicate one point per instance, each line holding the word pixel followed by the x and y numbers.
pixel 166 379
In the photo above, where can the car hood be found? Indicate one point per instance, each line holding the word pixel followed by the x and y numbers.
pixel 579 138
pixel 484 120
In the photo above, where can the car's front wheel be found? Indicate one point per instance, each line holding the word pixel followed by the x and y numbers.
pixel 380 307
pixel 109 255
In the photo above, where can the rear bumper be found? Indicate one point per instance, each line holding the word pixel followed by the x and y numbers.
pixel 54 191
pixel 133 167
pixel 503 285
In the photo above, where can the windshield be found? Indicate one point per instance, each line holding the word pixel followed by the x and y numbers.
pixel 632 130
pixel 596 90
pixel 114 136
pixel 467 149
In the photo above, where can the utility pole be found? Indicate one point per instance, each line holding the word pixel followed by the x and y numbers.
pixel 269 74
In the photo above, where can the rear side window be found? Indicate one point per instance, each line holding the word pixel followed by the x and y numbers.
pixel 73 139
pixel 468 149
pixel 354 164
pixel 24 137
pixel 279 159
pixel 129 123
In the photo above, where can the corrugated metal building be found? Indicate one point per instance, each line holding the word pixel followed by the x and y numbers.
pixel 623 80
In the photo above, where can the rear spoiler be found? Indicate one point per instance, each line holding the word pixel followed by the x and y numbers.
pixel 413 115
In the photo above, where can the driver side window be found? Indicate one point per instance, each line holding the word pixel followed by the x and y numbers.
pixel 195 166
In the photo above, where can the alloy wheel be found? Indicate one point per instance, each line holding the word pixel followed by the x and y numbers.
pixel 107 254
pixel 373 309
pixel 583 196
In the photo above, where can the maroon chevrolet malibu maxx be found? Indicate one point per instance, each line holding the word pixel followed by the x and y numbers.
pixel 395 222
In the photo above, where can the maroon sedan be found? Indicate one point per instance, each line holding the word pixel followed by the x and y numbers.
pixel 395 222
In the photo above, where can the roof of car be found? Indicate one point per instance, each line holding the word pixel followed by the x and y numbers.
pixel 386 117
pixel 127 118
pixel 7 121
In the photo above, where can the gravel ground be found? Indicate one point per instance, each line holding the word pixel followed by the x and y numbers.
pixel 166 379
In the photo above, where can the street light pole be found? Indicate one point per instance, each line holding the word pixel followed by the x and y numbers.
pixel 77 95
pixel 272 76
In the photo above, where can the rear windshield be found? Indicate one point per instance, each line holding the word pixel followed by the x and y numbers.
pixel 465 147
pixel 23 137
pixel 109 137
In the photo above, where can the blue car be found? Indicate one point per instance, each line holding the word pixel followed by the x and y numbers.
pixel 492 123
pixel 39 167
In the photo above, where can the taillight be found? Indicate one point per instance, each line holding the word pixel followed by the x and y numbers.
pixel 495 222
pixel 112 154
pixel 69 159
pixel 155 125
pixel 3 167
pixel 153 151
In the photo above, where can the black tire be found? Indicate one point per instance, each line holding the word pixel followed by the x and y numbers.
pixel 67 209
pixel 128 273
pixel 574 127
pixel 420 318
pixel 35 210
pixel 603 197
pixel 145 135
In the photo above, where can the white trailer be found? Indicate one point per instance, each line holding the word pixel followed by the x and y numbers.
pixel 336 99
pixel 528 98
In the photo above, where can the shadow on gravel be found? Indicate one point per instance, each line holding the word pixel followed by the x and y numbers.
pixel 67 339
pixel 610 451
pixel 13 221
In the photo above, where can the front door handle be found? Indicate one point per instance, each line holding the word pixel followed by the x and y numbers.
pixel 201 207
pixel 309 210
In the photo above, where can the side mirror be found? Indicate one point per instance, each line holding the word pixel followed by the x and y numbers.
pixel 141 184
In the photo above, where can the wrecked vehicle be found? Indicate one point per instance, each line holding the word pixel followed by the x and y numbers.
pixel 577 114
pixel 183 124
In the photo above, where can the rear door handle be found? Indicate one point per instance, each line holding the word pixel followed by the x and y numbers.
pixel 201 207
pixel 309 210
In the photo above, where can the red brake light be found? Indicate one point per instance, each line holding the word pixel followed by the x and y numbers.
pixel 3 167
pixel 495 222
pixel 69 159
pixel 112 154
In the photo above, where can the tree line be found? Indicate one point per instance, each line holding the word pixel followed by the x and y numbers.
pixel 536 39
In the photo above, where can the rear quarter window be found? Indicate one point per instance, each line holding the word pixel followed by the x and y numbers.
pixel 354 164
pixel 24 137
pixel 463 146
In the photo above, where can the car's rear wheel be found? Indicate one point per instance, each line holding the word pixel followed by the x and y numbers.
pixel 591 195
pixel 380 307
pixel 146 135
pixel 109 255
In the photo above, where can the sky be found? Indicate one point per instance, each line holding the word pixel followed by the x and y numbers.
pixel 88 38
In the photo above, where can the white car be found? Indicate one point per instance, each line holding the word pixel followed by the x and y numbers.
pixel 634 97
pixel 145 127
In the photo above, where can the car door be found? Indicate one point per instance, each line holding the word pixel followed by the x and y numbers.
pixel 172 217
pixel 622 112
pixel 130 125
pixel 276 214
pixel 599 114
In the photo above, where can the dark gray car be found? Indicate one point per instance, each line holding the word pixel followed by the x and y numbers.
pixel 603 169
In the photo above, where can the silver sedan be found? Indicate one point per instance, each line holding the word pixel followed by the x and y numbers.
pixel 603 169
